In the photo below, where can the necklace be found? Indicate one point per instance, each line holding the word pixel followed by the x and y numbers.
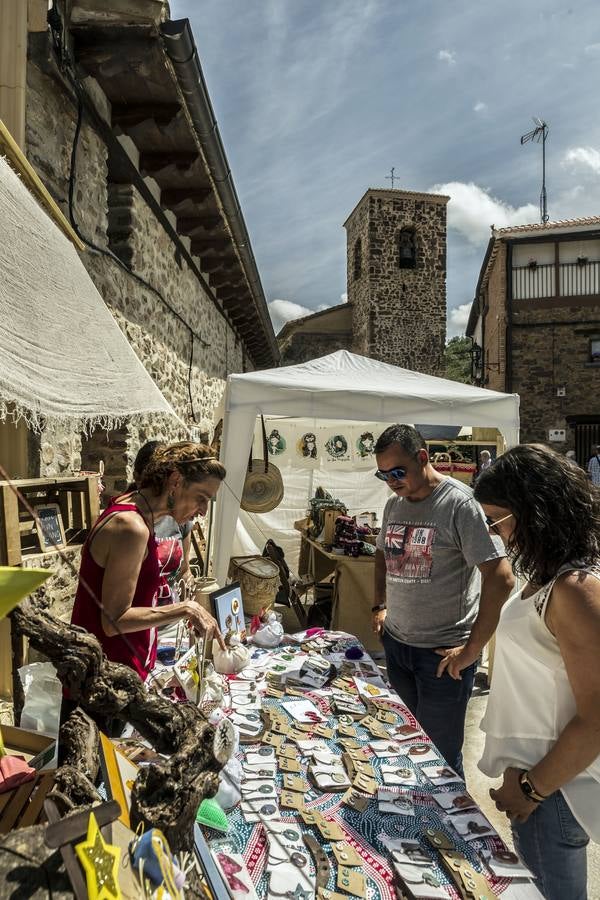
pixel 139 494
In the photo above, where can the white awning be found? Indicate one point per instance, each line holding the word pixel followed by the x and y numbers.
pixel 62 354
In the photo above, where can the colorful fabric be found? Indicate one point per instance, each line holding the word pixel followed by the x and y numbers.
pixel 363 830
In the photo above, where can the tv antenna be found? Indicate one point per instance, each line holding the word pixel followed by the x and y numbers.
pixel 540 133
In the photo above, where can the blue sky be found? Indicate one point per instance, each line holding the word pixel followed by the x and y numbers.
pixel 317 99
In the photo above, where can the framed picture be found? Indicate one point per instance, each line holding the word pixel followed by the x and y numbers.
pixel 229 611
pixel 50 528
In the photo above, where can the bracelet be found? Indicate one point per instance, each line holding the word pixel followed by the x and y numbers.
pixel 528 788
pixel 378 607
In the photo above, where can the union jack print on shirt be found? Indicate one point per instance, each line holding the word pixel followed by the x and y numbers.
pixel 408 551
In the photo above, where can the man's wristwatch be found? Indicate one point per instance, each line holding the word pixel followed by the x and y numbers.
pixel 528 788
pixel 379 607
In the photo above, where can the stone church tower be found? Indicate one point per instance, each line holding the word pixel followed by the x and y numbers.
pixel 396 276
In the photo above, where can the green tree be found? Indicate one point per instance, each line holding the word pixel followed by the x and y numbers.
pixel 457 359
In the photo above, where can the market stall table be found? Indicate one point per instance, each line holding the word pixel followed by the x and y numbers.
pixel 353 589
pixel 388 808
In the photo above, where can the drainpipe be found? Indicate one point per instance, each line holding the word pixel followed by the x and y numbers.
pixel 508 378
pixel 181 50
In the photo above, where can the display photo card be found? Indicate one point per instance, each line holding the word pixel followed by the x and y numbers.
pixel 455 801
pixel 505 864
pixel 392 801
pixel 303 711
pixel 471 825
pixel 439 774
pixel 235 875
pixel 398 775
pixel 423 883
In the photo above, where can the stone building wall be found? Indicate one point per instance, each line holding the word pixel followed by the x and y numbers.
pixel 495 325
pixel 303 346
pixel 399 314
pixel 549 349
pixel 357 229
pixel 160 340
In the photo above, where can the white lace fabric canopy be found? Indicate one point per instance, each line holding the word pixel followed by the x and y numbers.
pixel 62 354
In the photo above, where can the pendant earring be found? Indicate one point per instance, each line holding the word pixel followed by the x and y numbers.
pixel 170 502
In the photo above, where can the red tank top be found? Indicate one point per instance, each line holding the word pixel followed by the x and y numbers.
pixel 139 650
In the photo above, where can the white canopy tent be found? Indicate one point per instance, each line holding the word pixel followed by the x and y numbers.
pixel 345 387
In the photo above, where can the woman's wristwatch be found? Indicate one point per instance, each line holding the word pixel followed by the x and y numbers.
pixel 528 788
pixel 379 607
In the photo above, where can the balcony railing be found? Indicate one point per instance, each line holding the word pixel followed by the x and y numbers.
pixel 539 282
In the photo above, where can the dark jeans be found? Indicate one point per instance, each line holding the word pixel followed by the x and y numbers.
pixel 439 704
pixel 553 845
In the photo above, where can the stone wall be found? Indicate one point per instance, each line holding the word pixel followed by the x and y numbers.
pixel 160 340
pixel 494 357
pixel 399 314
pixel 304 346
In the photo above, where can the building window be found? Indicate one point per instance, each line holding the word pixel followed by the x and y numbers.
pixel 357 259
pixel 407 249
pixel 595 350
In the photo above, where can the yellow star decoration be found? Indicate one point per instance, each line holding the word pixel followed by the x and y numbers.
pixel 100 863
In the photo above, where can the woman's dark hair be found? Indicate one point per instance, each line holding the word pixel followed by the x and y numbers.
pixel 556 509
pixel 144 455
pixel 196 462
pixel 408 437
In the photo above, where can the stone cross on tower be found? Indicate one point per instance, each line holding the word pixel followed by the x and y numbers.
pixel 391 177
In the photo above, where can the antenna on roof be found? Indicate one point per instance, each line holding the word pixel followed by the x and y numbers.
pixel 540 133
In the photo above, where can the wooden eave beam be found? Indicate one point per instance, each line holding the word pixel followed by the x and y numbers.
pixel 127 115
pixel 190 224
pixel 219 279
pixel 151 163
pixel 172 197
pixel 200 246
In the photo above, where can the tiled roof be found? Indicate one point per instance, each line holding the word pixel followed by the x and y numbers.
pixel 547 226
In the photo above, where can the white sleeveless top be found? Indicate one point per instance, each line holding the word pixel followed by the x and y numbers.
pixel 531 701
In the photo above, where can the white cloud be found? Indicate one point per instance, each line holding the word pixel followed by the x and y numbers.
pixel 283 311
pixel 447 56
pixel 344 297
pixel 472 210
pixel 457 319
pixel 592 49
pixel 480 107
pixel 583 157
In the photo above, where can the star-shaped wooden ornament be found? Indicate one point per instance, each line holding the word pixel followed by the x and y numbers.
pixel 100 863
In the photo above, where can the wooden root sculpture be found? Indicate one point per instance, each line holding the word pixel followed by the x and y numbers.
pixel 165 795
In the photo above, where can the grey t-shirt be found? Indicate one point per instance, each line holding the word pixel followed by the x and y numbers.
pixel 432 549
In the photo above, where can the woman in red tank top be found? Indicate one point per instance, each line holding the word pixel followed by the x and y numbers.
pixel 119 574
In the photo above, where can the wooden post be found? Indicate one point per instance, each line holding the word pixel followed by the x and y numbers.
pixel 13 66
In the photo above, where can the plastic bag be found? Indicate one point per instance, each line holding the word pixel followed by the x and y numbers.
pixel 43 698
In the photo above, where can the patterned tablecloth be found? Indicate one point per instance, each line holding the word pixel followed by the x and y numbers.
pixel 364 830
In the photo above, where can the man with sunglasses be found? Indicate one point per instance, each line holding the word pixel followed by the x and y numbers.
pixel 435 557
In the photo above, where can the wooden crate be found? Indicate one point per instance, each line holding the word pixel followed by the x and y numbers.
pixel 79 504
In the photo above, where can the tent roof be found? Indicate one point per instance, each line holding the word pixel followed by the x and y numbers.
pixel 345 386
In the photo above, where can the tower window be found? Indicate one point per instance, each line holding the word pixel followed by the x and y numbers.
pixel 357 259
pixel 407 249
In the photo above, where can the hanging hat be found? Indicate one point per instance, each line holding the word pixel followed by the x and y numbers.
pixel 263 488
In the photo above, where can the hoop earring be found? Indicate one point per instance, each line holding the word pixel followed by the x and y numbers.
pixel 170 502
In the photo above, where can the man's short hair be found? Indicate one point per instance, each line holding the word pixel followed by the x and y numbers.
pixel 406 436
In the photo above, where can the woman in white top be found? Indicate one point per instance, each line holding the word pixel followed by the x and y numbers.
pixel 542 721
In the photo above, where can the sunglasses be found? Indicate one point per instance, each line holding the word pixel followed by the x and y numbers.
pixel 397 473
pixel 492 525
